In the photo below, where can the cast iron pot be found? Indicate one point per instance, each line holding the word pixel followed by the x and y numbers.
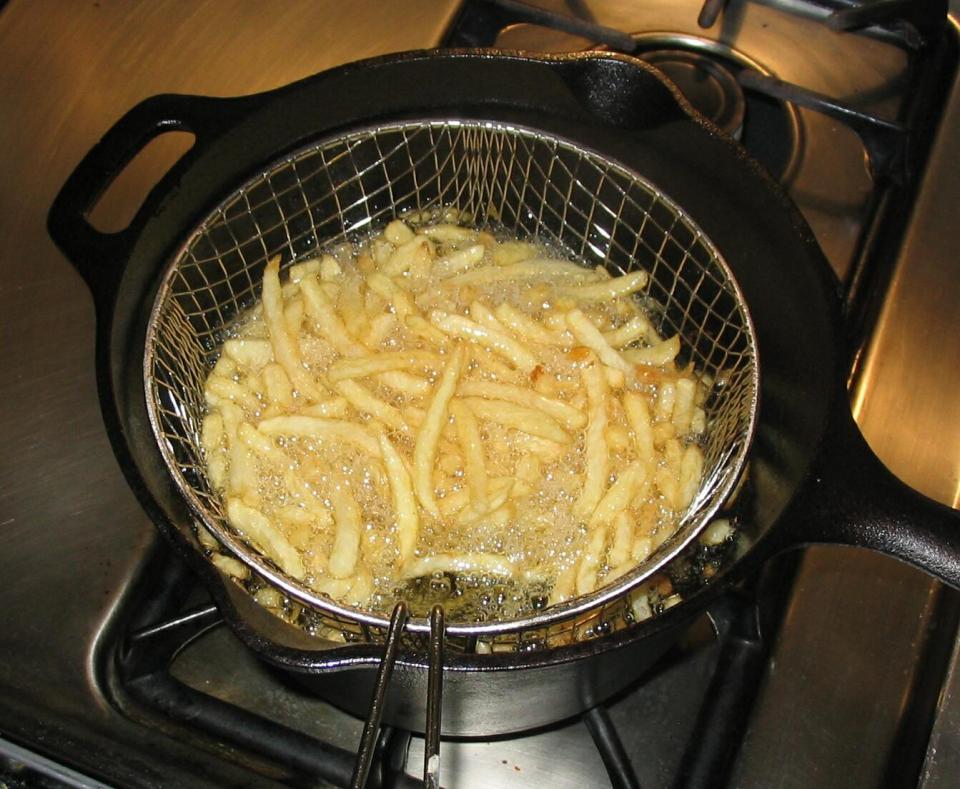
pixel 814 477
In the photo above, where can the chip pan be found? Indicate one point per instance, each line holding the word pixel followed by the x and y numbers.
pixel 601 118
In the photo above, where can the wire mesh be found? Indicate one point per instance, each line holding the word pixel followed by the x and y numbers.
pixel 517 180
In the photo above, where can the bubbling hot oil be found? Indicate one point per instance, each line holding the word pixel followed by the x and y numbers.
pixel 542 538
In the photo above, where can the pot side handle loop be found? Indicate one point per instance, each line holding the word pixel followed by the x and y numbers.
pixel 851 498
pixel 98 256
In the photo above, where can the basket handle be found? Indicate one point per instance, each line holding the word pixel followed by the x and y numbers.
pixel 100 256
pixel 851 498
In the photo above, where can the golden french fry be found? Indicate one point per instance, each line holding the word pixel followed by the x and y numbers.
pixel 623 535
pixel 459 261
pixel 691 471
pixel 635 328
pixel 278 386
pixel 425 449
pixel 330 408
pixel 397 232
pixel 378 330
pixel 228 389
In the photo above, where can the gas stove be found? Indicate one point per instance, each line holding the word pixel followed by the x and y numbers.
pixel 115 669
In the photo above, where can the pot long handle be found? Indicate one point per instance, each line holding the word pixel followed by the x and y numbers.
pixel 97 255
pixel 851 498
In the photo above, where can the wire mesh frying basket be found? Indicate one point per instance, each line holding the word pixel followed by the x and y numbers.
pixel 521 181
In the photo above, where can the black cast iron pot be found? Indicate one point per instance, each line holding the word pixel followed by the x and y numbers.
pixel 814 478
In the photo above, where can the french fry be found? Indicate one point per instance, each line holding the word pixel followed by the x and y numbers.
pixel 691 471
pixel 346 537
pixel 256 527
pixel 285 348
pixel 597 460
pixel 658 355
pixel 425 449
pixel 590 560
pixel 459 261
pixel 590 336
pixel 635 328
pixel 468 432
pixel 523 270
pixel 686 390
pixel 321 310
pixel 252 354
pixel 464 563
pixel 567 415
pixel 609 288
pixel 278 386
pixel 530 328
pixel 323 429
pixel 518 417
pixel 397 232
pixel 638 416
pixel 619 494
pixel 404 500
pixel 378 330
pixel 228 389
pixel 366 402
pixel 365 365
pixel 497 341
pixel 328 408
pixel 624 529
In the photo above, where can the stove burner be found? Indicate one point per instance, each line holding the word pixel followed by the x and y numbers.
pixel 708 84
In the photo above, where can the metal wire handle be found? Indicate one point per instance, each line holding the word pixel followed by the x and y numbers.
pixel 522 181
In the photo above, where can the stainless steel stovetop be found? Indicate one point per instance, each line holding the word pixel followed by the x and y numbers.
pixel 861 686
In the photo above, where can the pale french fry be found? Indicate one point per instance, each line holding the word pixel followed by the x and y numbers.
pixel 524 270
pixel 405 383
pixel 590 560
pixel 330 270
pixel 404 500
pixel 306 268
pixel 683 404
pixel 323 429
pixel 351 306
pixel 278 386
pixel 666 397
pixel 286 349
pixel 256 527
pixel 346 537
pixel 329 408
pixel 497 341
pixel 518 417
pixel 252 354
pixel 623 536
pixel 386 288
pixel 449 233
pixel 378 330
pixel 459 261
pixel 637 327
pixel 366 402
pixel 567 415
pixel 590 336
pixel 464 563
pixel 656 355
pixel 483 315
pixel 425 449
pixel 565 585
pixel 468 432
pixel 424 329
pixel 321 310
pixel 597 460
pixel 413 253
pixel 293 313
pixel 618 496
pixel 691 471
pixel 638 416
pixel 362 366
pixel 397 232
pixel 228 389
pixel 530 328
pixel 230 566
pixel 608 289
